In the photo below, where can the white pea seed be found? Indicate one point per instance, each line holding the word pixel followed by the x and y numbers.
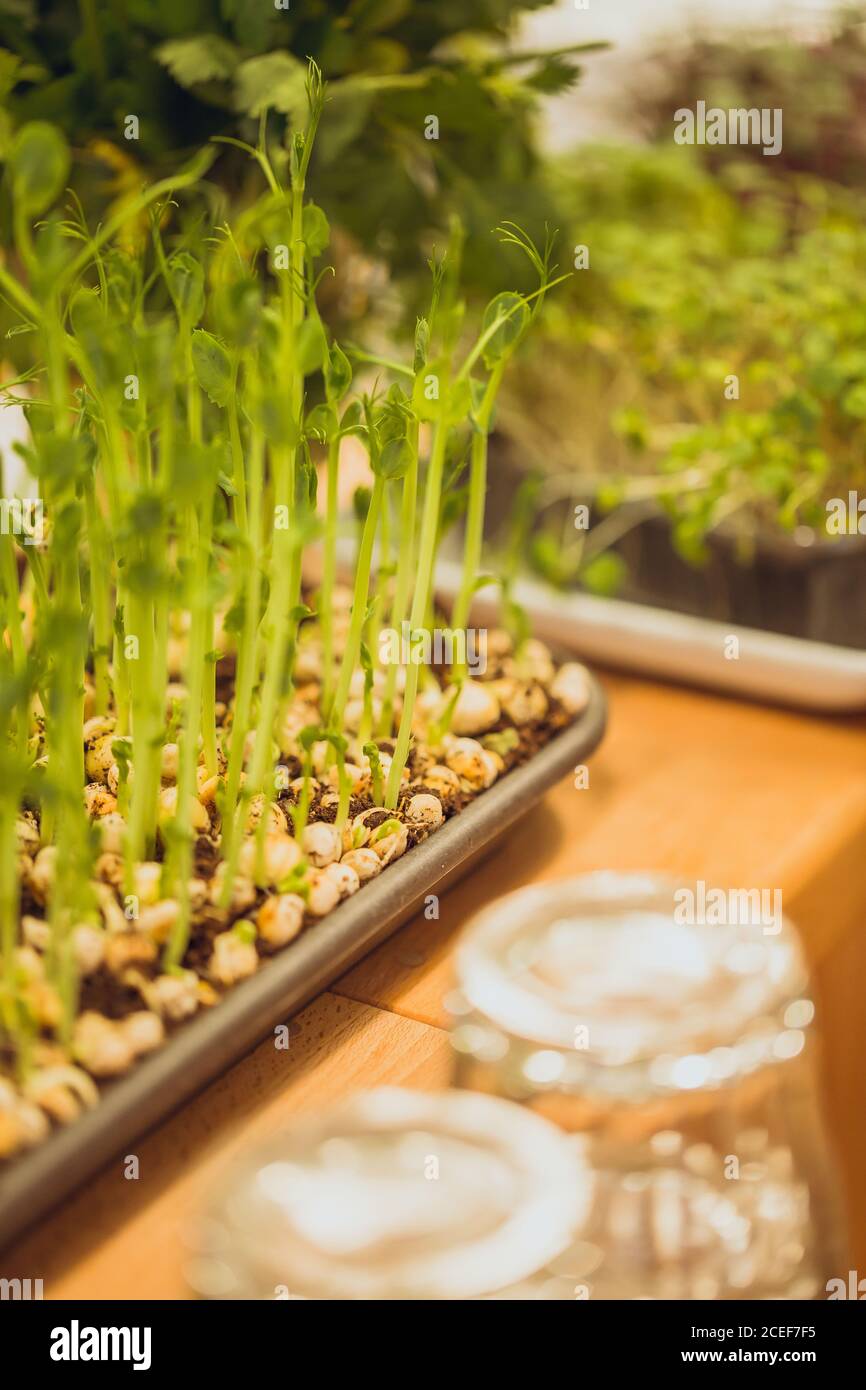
pixel 112 831
pixel 321 843
pixel 523 701
pixel 43 872
pixel 146 878
pixel 344 877
pixel 143 1030
pixel 243 890
pixel 276 818
pixel 97 727
pixel 280 919
pixel 476 710
pixel 534 661
pixel 199 818
pixel 36 933
pixel 390 847
pixel 365 862
pixel 99 800
pixel 157 920
pixel 424 811
pixel 98 758
pixel 323 893
pixel 233 959
pixel 442 780
pixel 174 997
pixel 26 836
pixel 100 1045
pixel 465 757
pixel 571 687
pixel 88 947
pixel 170 762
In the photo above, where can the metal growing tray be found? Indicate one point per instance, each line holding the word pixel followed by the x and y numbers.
pixel 217 1038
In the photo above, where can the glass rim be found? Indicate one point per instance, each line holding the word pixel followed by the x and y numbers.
pixel 538 1229
pixel 489 988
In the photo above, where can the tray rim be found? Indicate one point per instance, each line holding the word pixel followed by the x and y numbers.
pixel 215 1039
pixel 794 672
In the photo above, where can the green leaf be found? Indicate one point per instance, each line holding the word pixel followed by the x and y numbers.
pixel 361 502
pixel 199 58
pixel 145 514
pixel 272 412
pixel 352 420
pixel 554 75
pixel 311 345
pixel 338 373
pixel 422 343
pixel 61 461
pixel 460 400
pixel 394 460
pixel 428 389
pixel 511 312
pixel 236 310
pixel 186 286
pixel 605 574
pixel 39 164
pixel 213 368
pixel 316 232
pixel 321 422
pixel 275 80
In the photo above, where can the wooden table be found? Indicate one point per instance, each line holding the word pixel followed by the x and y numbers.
pixel 689 783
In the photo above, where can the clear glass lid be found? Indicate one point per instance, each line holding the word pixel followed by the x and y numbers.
pixel 394 1194
pixel 619 970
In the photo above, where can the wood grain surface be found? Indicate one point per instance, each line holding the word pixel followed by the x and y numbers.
pixel 687 783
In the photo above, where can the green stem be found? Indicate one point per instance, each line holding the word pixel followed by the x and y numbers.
pixel 148 717
pixel 246 673
pixel 359 608
pixel 420 600
pixel 329 561
pixel 475 512
pixel 182 831
pixel 238 476
pixel 345 790
pixel 100 598
pixel 405 572
pixel 278 619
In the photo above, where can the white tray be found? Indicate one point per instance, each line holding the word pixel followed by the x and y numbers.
pixel 676 646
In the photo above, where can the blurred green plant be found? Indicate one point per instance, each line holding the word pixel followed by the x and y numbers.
pixel 188 70
pixel 709 361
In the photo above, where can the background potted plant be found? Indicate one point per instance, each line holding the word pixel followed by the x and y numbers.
pixel 701 388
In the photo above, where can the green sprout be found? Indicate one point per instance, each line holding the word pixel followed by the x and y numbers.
pixel 185 394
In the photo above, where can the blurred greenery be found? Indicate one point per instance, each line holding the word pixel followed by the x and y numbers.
pixel 192 69
pixel 711 360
